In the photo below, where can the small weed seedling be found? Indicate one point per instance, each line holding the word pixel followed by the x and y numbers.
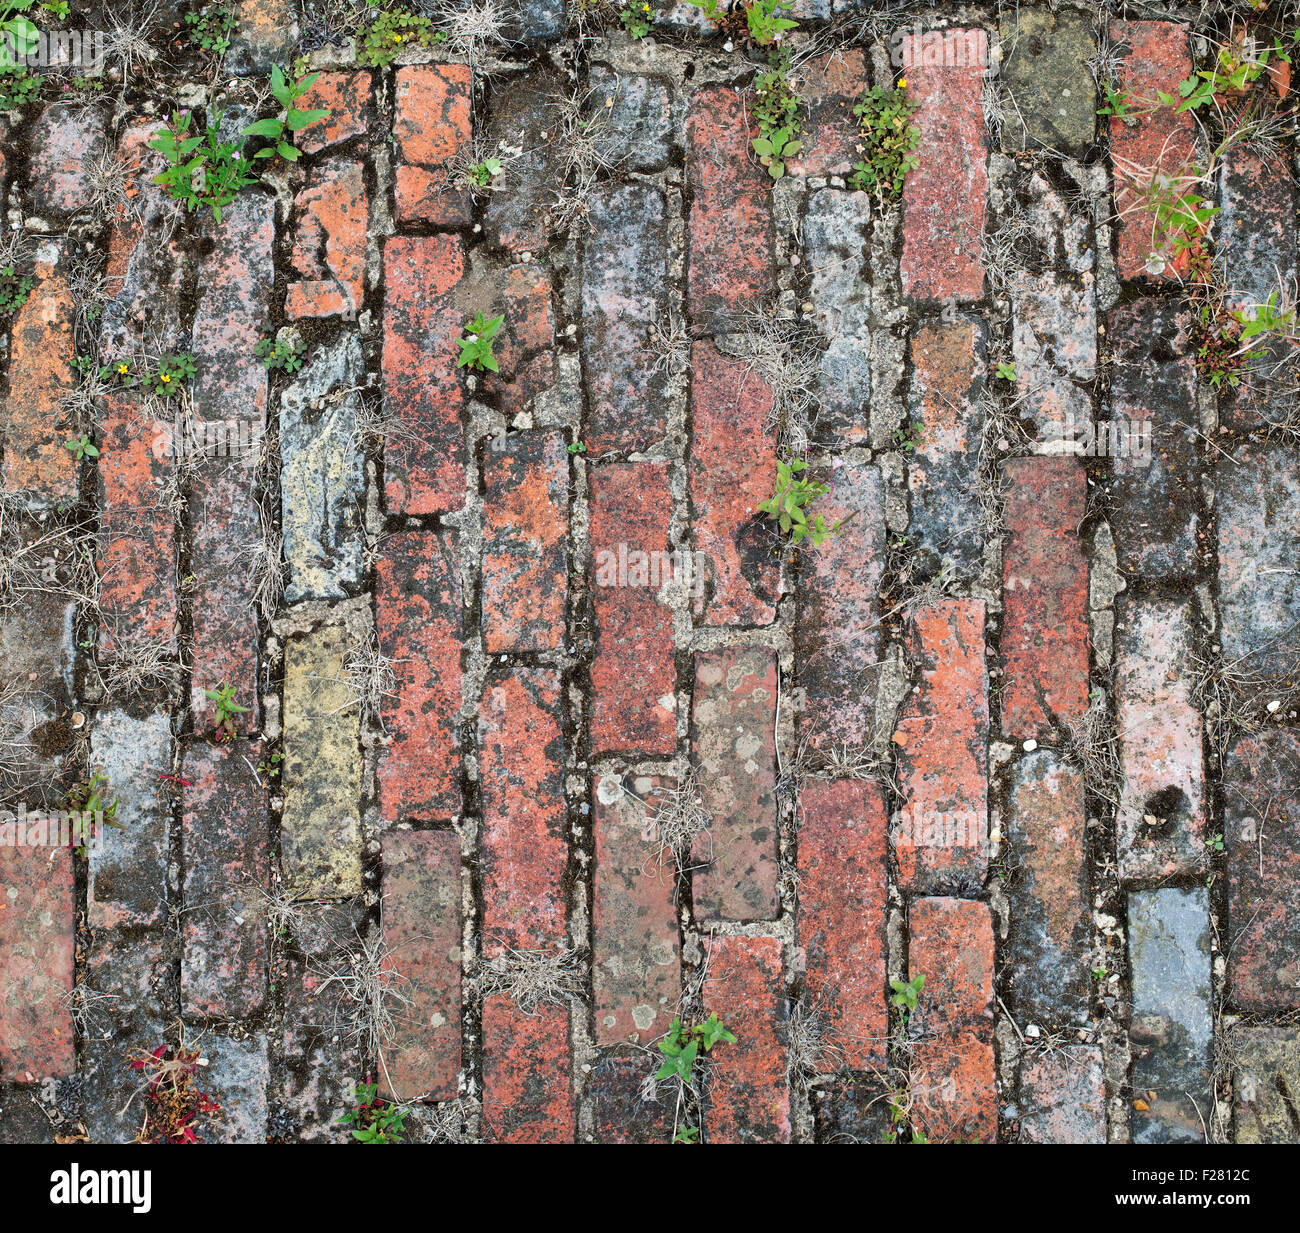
pixel 889 140
pixel 118 374
pixel 476 346
pixel 173 371
pixel 578 447
pixel 680 1048
pixel 210 28
pixel 14 290
pixel 173 1103
pixel 1006 371
pixel 764 26
pixel 276 355
pixel 777 113
pixel 202 169
pixel 390 33
pixel 82 448
pixel 910 437
pixel 279 130
pixel 637 19
pixel 227 708
pixel 88 799
pixel 906 992
pixel 485 172
pixel 374 1120
pixel 788 505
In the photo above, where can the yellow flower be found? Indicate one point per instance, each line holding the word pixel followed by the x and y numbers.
pixel 902 83
pixel 121 368
pixel 645 8
pixel 167 378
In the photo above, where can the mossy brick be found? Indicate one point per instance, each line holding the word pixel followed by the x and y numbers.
pixel 1052 98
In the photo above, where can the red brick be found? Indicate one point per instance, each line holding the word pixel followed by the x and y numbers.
pixel 527 1097
pixel 1044 596
pixel 418 616
pixel 137 597
pixel 525 345
pixel 732 721
pixel 1161 736
pixel 235 282
pixel 733 468
pixel 226 840
pixel 347 96
pixel 524 850
pixel 942 740
pixel 525 542
pixel 621 1115
pixel 945 196
pixel 829 86
pixel 37 936
pixel 64 141
pixel 637 962
pixel 41 350
pixel 633 675
pixel 836 635
pixel 329 248
pixel 730 265
pixel 953 1094
pixel 425 470
pixel 841 922
pixel 422 935
pixel 432 129
pixel 1157 141
pixel 224 522
pixel 1261 828
pixel 748 1099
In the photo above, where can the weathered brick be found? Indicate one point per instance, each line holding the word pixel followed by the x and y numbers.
pixel 128 866
pixel 948 371
pixel 329 243
pixel 425 468
pixel 733 468
pixel 851 1110
pixel 235 281
pixel 224 523
pixel 65 141
pixel 1063 1097
pixel 942 738
pixel 1261 830
pixel 953 1094
pixel 323 475
pixel 433 130
pixel 633 676
pixel 1160 739
pixel 624 293
pixel 945 196
pixel 836 237
pixel 1268 1075
pixel 266 33
pixel 525 542
pixel 525 345
pixel 226 839
pixel 347 97
pixel 841 921
pixel 622 1116
pixel 422 933
pixel 836 636
pixel 524 852
pixel 37 936
pixel 137 600
pixel 418 615
pixel 237 1077
pixel 748 1099
pixel 732 720
pixel 1054 315
pixel 636 966
pixel 1256 246
pixel 1154 141
pixel 1259 544
pixel 321 770
pixel 1155 518
pixel 41 350
pixel 522 113
pixel 730 265
pixel 1053 99
pixel 632 117
pixel 1046 838
pixel 527 1096
pixel 829 86
pixel 1171 1028
pixel 1044 596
